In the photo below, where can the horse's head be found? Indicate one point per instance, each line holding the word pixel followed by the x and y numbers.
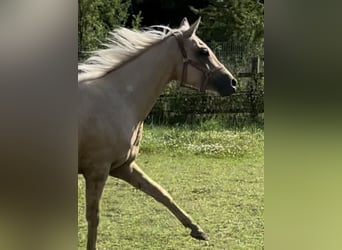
pixel 200 68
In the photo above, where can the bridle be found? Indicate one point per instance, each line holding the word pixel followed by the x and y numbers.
pixel 186 60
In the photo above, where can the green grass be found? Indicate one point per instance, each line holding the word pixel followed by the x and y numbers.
pixel 214 175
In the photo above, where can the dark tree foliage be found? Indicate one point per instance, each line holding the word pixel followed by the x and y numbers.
pixel 167 12
pixel 96 18
pixel 240 21
pixel 233 20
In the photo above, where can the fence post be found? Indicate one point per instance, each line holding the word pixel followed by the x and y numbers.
pixel 253 88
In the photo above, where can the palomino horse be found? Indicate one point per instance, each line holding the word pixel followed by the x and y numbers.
pixel 118 87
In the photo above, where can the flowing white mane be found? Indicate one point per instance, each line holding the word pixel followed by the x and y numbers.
pixel 122 45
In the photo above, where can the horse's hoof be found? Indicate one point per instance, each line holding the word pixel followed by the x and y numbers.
pixel 199 234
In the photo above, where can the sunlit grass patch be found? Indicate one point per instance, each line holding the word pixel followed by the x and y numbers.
pixel 246 142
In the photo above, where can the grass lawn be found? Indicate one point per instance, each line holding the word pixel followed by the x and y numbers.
pixel 216 176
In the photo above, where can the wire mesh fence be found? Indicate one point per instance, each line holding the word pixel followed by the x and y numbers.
pixel 237 57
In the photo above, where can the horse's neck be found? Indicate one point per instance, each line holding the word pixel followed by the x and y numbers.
pixel 141 81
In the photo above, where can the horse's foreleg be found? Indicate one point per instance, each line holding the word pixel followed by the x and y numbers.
pixel 94 188
pixel 136 177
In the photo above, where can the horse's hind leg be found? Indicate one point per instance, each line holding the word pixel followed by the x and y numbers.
pixel 94 189
pixel 136 177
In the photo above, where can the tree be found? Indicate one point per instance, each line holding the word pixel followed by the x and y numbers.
pixel 96 18
pixel 233 20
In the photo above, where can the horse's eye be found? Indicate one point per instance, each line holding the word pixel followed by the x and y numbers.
pixel 204 52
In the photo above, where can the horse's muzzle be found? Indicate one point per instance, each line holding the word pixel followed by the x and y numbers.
pixel 223 84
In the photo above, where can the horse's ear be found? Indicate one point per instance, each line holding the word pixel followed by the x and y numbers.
pixel 184 24
pixel 192 30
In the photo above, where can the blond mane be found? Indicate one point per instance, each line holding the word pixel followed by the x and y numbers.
pixel 122 44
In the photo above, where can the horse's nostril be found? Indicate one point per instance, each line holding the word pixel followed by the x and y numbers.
pixel 234 82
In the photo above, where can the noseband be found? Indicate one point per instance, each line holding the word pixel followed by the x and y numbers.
pixel 207 73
